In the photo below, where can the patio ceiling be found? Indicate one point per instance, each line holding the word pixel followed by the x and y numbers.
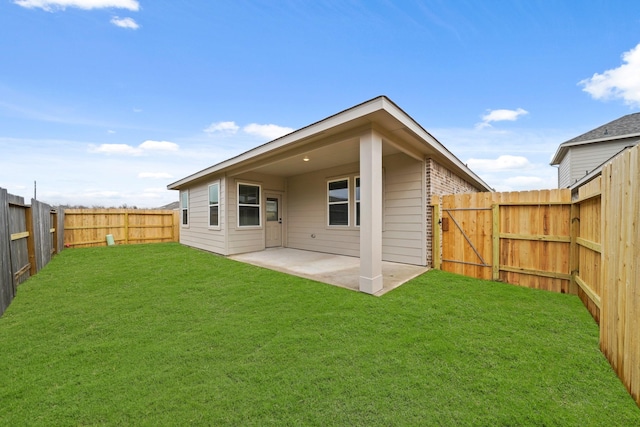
pixel 324 157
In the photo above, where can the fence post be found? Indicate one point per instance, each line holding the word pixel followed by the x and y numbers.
pixel 126 228
pixel 31 247
pixel 574 249
pixel 60 228
pixel 54 232
pixel 495 242
pixel 436 241
pixel 7 282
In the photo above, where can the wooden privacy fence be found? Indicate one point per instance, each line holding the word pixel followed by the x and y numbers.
pixel 29 237
pixel 586 249
pixel 542 239
pixel 89 227
pixel 521 237
pixel 620 267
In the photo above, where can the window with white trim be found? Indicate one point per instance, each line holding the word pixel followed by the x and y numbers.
pixel 248 205
pixel 338 201
pixel 214 204
pixel 184 206
pixel 357 197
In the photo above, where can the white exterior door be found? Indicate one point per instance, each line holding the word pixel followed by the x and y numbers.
pixel 274 221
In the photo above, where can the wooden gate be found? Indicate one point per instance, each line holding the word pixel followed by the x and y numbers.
pixel 520 238
pixel 467 241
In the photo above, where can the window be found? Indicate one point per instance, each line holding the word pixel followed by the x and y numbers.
pixel 214 205
pixel 184 206
pixel 338 202
pixel 272 209
pixel 358 201
pixel 248 205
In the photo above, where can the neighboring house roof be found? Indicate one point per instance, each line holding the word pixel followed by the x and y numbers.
pixel 170 206
pixel 625 127
pixel 281 156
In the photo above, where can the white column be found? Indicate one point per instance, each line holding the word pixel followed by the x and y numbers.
pixel 370 212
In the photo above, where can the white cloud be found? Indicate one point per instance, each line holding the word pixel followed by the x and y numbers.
pixel 114 149
pixel 618 83
pixel 267 131
pixel 50 5
pixel 155 175
pixel 502 163
pixel 111 132
pixel 125 23
pixel 159 146
pixel 222 127
pixel 134 151
pixel 500 116
pixel 524 181
pixel 503 155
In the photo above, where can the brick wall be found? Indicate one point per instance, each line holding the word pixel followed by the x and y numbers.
pixel 441 181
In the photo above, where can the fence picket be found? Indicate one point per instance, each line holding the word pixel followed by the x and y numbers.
pixel 89 227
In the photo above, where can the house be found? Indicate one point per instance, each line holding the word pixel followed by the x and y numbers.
pixel 581 158
pixel 358 183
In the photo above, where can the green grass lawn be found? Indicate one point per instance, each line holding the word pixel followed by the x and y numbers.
pixel 168 335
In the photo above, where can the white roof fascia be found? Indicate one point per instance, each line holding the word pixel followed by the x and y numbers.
pixel 361 110
pixel 415 127
pixel 298 135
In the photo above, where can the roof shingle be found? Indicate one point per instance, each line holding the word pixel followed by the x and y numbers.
pixel 626 125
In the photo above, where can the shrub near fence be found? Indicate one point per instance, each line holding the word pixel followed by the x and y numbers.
pixel 89 227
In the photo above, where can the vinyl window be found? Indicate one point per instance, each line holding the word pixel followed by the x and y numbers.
pixel 214 205
pixel 338 202
pixel 184 207
pixel 248 205
pixel 357 197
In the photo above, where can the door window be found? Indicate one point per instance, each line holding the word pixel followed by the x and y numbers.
pixel 272 209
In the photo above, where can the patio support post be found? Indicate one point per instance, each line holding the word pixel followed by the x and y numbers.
pixel 371 212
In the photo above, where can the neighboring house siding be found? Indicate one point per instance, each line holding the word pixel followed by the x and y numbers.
pixel 198 233
pixel 440 181
pixel 306 219
pixel 248 239
pixel 585 158
pixel 403 236
pixel 564 171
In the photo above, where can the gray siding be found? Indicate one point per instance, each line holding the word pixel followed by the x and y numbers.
pixel 306 219
pixel 305 213
pixel 564 171
pixel 585 158
pixel 248 239
pixel 198 234
pixel 403 238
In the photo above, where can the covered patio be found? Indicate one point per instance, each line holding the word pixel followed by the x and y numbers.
pixel 337 270
pixel 356 185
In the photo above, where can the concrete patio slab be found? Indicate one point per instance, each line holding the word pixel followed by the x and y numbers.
pixel 337 270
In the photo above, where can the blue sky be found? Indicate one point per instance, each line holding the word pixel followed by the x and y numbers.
pixel 105 102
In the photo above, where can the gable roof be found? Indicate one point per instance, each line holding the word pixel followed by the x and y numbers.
pixel 381 113
pixel 625 127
